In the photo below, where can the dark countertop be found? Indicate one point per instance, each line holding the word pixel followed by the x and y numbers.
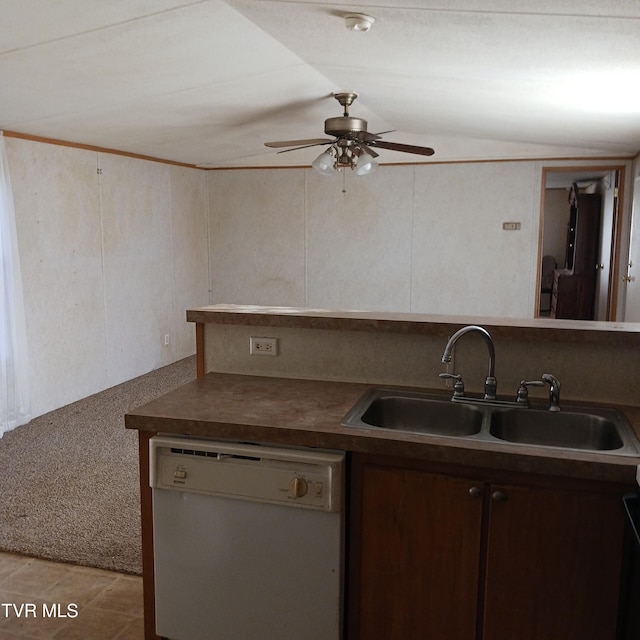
pixel 533 329
pixel 295 412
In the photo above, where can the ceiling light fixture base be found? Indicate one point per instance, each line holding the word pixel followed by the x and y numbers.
pixel 359 22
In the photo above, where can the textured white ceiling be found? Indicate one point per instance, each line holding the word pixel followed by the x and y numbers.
pixel 208 82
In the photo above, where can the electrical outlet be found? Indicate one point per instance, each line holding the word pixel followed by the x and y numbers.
pixel 166 339
pixel 263 346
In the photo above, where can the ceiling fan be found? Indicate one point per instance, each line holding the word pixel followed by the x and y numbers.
pixel 352 146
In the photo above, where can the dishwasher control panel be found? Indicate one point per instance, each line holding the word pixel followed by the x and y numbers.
pixel 305 478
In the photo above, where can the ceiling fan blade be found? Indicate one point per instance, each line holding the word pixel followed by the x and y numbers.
pixel 297 143
pixel 305 146
pixel 375 136
pixel 368 149
pixel 405 148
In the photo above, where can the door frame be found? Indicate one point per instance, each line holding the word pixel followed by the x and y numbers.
pixel 616 231
pixel 630 291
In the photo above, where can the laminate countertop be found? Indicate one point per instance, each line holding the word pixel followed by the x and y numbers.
pixel 296 412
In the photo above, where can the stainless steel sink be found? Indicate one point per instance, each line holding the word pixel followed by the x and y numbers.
pixel 560 429
pixel 574 428
pixel 415 412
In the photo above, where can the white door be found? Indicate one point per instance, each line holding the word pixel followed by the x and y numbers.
pixel 632 277
pixel 603 266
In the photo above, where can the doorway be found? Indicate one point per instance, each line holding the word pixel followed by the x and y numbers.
pixel 558 237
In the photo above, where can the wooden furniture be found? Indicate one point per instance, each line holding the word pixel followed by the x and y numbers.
pixel 546 283
pixel 574 287
pixel 459 554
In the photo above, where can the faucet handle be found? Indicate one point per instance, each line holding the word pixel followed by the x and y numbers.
pixel 458 387
pixel 522 396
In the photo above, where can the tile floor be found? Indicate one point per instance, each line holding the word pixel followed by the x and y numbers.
pixel 98 604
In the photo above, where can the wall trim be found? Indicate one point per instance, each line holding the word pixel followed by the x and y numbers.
pixel 89 147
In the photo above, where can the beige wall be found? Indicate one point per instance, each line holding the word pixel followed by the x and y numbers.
pixel 113 250
pixel 409 238
pixel 417 238
pixel 584 365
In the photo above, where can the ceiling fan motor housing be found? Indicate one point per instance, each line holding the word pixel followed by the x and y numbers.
pixel 351 137
pixel 345 127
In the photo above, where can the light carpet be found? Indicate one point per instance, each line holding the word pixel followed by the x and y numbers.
pixel 69 478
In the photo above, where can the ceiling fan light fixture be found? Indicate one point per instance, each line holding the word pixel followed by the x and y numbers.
pixel 359 22
pixel 366 164
pixel 352 146
pixel 324 163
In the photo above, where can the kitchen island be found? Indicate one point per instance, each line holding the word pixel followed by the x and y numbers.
pixel 327 360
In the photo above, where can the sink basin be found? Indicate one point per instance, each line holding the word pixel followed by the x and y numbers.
pixel 563 429
pixel 578 428
pixel 405 411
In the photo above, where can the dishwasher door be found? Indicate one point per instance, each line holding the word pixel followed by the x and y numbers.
pixel 248 541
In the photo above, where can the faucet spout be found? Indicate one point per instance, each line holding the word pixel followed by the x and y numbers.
pixel 554 391
pixel 490 384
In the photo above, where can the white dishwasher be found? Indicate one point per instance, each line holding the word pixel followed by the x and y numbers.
pixel 248 541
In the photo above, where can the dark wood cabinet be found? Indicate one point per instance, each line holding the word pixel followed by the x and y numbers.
pixel 435 555
pixel 418 555
pixel 553 563
pixel 574 287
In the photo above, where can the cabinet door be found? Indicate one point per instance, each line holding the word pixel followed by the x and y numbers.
pixel 415 575
pixel 553 565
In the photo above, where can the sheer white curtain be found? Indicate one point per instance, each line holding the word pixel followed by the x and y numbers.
pixel 14 370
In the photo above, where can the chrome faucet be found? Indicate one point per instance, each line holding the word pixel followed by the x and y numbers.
pixel 554 391
pixel 490 384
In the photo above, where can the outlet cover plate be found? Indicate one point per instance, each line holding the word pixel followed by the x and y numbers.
pixel 263 346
